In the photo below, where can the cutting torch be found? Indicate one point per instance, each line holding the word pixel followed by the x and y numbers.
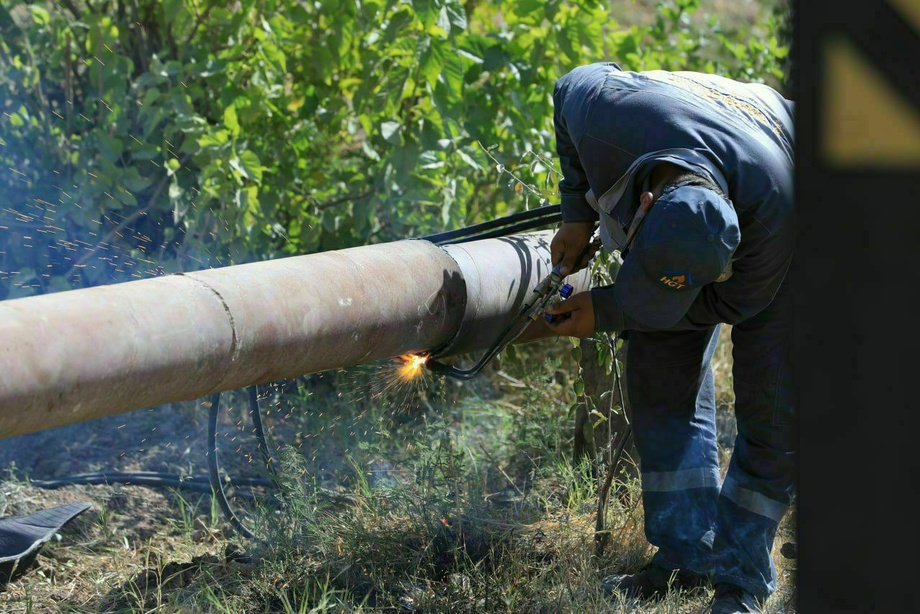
pixel 543 294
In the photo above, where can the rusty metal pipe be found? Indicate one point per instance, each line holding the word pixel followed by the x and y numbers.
pixel 83 354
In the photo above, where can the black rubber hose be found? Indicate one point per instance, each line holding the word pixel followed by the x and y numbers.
pixel 540 216
pixel 261 437
pixel 216 485
pixel 200 483
pixel 507 230
pixel 214 471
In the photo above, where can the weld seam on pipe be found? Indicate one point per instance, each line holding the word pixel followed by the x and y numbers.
pixel 234 342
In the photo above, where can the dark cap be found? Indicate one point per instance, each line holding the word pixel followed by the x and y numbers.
pixel 686 241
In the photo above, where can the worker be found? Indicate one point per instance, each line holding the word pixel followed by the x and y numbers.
pixel 690 177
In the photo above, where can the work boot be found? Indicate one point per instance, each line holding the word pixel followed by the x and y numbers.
pixel 653 581
pixel 732 599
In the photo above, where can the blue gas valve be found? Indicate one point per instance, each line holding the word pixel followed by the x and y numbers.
pixel 566 291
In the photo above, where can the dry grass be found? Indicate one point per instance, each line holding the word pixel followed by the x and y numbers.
pixel 463 502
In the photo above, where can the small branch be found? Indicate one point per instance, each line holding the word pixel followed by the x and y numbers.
pixel 71 6
pixel 68 96
pixel 601 535
pixel 504 169
pixel 201 17
pixel 98 66
pixel 339 201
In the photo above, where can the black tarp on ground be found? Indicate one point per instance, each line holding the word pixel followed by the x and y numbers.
pixel 21 537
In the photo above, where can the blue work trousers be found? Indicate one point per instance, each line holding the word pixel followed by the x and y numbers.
pixel 697 520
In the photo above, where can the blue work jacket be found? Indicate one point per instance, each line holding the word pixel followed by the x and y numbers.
pixel 612 127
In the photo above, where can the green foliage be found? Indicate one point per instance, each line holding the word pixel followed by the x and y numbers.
pixel 182 133
pixel 146 137
pixel 755 52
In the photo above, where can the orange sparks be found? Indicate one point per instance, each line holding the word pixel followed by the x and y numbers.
pixel 411 367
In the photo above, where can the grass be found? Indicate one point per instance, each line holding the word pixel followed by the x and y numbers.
pixel 431 497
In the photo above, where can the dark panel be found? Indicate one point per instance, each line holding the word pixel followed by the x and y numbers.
pixel 857 338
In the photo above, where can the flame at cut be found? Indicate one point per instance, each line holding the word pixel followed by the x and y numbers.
pixel 412 365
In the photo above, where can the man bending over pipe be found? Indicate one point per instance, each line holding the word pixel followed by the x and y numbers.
pixel 690 177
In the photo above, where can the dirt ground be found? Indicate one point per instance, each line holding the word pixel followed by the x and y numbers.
pixel 112 541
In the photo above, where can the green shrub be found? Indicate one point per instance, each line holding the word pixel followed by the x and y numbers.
pixel 146 137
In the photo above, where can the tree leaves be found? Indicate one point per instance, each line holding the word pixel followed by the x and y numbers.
pixel 294 127
pixel 231 122
pixel 389 130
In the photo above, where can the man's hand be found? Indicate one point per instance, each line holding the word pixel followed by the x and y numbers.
pixel 568 242
pixel 573 317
